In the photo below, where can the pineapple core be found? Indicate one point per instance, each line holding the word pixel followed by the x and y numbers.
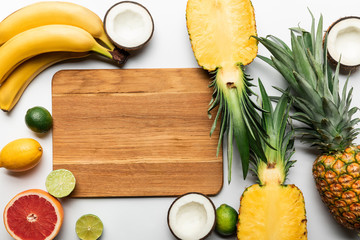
pixel 272 176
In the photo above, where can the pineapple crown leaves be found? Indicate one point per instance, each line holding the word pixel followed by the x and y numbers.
pixel 239 119
pixel 280 134
pixel 327 115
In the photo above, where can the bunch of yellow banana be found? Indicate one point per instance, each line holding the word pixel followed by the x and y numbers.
pixel 42 34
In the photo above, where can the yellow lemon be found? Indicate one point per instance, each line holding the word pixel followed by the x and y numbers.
pixel 21 155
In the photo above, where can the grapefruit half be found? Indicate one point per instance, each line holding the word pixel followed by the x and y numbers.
pixel 33 215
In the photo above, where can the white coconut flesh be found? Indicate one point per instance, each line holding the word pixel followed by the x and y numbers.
pixel 344 41
pixel 129 24
pixel 192 217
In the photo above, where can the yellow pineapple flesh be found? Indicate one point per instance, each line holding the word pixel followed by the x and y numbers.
pixel 272 212
pixel 220 32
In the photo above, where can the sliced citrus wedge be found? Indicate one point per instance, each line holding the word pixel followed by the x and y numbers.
pixel 89 227
pixel 60 183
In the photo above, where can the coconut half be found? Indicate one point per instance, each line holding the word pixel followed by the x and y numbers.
pixel 192 216
pixel 343 42
pixel 129 25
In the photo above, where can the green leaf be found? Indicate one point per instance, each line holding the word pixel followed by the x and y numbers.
pixel 335 81
pixel 281 43
pixel 307 41
pixel 318 48
pixel 239 128
pixel 286 72
pixel 222 130
pixel 267 60
pixel 218 114
pixel 266 105
pixel 330 109
pixel 302 117
pixel 230 137
pixel 308 90
pixel 278 51
pixel 321 86
pixel 312 29
pixel 281 113
pixel 301 62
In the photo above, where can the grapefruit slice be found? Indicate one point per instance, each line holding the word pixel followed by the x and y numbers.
pixel 33 215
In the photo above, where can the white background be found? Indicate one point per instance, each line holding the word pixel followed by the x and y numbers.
pixel 145 218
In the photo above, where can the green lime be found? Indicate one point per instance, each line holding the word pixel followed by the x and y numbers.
pixel 226 220
pixel 89 227
pixel 38 119
pixel 60 183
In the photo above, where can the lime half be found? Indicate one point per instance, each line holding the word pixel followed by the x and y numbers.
pixel 89 227
pixel 60 183
pixel 226 220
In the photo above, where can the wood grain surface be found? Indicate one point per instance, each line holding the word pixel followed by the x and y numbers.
pixel 135 132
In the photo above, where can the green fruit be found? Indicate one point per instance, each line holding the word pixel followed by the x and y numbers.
pixel 38 119
pixel 226 220
pixel 89 227
pixel 60 183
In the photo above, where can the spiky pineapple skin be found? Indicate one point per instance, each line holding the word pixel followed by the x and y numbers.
pixel 337 178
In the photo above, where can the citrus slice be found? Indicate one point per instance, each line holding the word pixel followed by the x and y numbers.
pixel 60 183
pixel 33 214
pixel 89 227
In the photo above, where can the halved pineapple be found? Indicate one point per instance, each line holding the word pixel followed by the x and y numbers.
pixel 220 33
pixel 272 210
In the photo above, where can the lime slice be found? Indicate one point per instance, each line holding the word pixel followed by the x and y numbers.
pixel 60 183
pixel 89 227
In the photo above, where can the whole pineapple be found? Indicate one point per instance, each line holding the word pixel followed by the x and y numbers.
pixel 327 116
pixel 266 206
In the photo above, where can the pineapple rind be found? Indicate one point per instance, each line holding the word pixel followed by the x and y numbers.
pixel 337 178
pixel 272 212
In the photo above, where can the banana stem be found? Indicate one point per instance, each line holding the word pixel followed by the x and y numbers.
pixel 120 56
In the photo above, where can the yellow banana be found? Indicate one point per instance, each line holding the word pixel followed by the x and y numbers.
pixel 45 13
pixel 48 38
pixel 16 83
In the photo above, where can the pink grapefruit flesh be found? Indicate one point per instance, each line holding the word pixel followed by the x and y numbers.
pixel 33 215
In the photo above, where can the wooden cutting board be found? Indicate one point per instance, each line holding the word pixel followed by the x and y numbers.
pixel 135 132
